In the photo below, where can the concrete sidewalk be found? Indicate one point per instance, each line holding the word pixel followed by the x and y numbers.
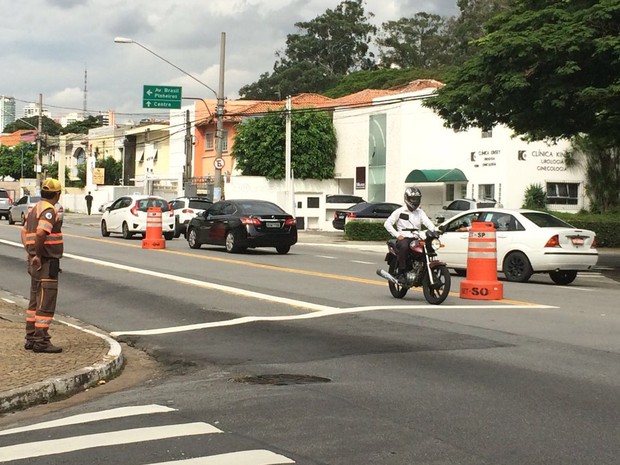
pixel 89 357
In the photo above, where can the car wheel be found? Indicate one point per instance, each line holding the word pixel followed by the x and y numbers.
pixel 563 276
pixel 10 218
pixel 283 249
pixel 231 242
pixel 126 233
pixel 517 267
pixel 104 229
pixel 177 228
pixel 192 239
pixel 23 219
pixel 169 235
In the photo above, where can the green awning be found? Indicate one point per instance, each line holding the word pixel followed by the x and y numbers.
pixel 453 175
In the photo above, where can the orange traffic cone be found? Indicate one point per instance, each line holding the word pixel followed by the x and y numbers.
pixel 481 281
pixel 153 239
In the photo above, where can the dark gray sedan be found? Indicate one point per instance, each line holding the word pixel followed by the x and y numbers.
pixel 242 224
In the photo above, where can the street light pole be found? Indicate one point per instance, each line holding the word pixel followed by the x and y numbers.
pixel 217 194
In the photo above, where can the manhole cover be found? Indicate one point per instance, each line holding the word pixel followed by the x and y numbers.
pixel 281 379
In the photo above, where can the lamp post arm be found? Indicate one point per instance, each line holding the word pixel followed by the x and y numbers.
pixel 174 66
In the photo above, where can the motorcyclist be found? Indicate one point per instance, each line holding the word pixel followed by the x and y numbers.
pixel 400 223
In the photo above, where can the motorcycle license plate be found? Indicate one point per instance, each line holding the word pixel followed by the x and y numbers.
pixel 272 224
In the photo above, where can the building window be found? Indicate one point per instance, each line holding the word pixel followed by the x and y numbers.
pixel 562 193
pixel 224 141
pixel 486 191
pixel 487 134
pixel 313 202
pixel 209 141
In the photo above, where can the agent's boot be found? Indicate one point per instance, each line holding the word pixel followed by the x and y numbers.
pixel 48 348
pixel 29 330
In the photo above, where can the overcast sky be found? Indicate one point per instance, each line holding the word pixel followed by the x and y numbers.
pixel 45 46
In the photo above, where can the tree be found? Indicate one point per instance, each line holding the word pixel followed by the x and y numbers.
pixel 11 161
pixel 48 126
pixel 259 148
pixel 82 127
pixel 113 170
pixel 326 48
pixel 602 167
pixel 418 42
pixel 546 69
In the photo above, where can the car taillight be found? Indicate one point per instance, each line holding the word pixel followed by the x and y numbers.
pixel 187 210
pixel 553 242
pixel 594 243
pixel 134 209
pixel 351 215
pixel 250 220
pixel 335 215
pixel 290 222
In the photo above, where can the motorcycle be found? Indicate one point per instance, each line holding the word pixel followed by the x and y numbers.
pixel 423 269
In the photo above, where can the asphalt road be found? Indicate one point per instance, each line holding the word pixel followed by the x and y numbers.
pixel 307 359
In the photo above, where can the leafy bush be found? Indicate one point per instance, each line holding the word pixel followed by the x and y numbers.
pixel 606 226
pixel 365 231
pixel 535 197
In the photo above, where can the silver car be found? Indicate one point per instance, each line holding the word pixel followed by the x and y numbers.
pixel 19 210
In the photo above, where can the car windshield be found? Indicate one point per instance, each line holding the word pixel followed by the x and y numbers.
pixel 199 204
pixel 4 195
pixel 145 204
pixel 545 220
pixel 259 208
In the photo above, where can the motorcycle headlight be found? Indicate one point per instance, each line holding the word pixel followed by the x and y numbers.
pixel 435 244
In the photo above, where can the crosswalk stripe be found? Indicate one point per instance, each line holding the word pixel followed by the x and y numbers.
pixel 60 446
pixel 246 457
pixel 90 417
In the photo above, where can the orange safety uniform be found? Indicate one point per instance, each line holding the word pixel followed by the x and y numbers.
pixel 44 281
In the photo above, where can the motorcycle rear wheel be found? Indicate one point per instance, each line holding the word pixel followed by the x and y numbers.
pixel 397 291
pixel 438 292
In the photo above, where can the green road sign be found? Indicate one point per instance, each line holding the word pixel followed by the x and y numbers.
pixel 161 97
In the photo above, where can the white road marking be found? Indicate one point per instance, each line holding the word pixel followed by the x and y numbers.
pixel 95 416
pixel 363 263
pixel 114 438
pixel 325 256
pixel 304 316
pixel 246 457
pixel 8 300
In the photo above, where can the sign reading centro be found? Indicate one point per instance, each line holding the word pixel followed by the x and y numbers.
pixel 161 97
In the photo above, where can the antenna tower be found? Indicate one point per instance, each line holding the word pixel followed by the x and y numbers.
pixel 85 109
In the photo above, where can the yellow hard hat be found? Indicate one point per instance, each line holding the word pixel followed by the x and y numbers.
pixel 51 185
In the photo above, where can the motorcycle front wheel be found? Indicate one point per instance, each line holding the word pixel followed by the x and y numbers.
pixel 397 291
pixel 439 290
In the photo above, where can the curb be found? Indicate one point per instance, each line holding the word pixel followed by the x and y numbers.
pixel 44 391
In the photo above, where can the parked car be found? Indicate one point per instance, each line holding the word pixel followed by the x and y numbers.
pixel 460 205
pixel 105 205
pixel 239 224
pixel 185 208
pixel 343 198
pixel 60 211
pixel 127 216
pixel 363 210
pixel 5 203
pixel 527 242
pixel 19 210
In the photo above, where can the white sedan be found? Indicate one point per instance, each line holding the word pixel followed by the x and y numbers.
pixel 127 215
pixel 527 242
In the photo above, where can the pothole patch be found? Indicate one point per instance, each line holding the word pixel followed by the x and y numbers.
pixel 281 379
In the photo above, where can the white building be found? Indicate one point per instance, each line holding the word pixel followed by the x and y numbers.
pixel 396 142
pixel 7 111
pixel 32 109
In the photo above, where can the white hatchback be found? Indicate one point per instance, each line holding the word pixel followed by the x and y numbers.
pixel 127 216
pixel 527 242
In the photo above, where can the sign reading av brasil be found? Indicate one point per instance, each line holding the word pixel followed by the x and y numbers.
pixel 161 97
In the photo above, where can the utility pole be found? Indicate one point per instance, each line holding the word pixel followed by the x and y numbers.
pixel 290 198
pixel 39 168
pixel 219 113
pixel 189 188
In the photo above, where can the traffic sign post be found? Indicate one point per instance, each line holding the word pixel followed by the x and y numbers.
pixel 162 97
